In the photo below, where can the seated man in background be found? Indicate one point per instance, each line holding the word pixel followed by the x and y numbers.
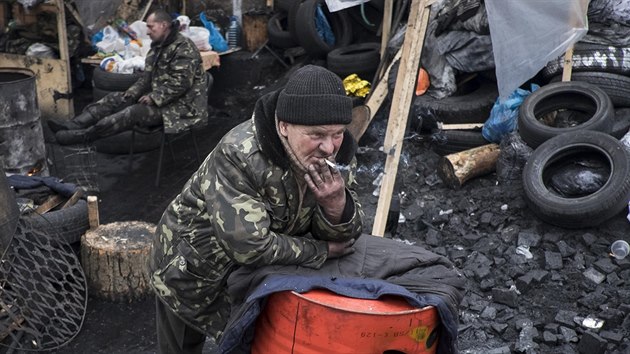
pixel 172 91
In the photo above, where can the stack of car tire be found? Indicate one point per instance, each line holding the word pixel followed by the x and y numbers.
pixel 599 91
pixel 294 24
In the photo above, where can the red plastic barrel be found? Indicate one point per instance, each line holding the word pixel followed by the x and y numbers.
pixel 320 321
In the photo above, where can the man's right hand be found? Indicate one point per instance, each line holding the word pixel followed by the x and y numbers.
pixel 340 249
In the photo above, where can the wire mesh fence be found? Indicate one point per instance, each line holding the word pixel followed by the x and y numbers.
pixel 77 164
pixel 43 292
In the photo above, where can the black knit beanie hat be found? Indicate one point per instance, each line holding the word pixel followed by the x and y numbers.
pixel 314 96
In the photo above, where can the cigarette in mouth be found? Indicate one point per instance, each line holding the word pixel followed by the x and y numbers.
pixel 330 163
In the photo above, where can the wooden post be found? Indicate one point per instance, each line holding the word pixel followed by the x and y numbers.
pixel 401 103
pixel 456 169
pixel 92 202
pixel 567 67
pixel 386 25
pixel 377 95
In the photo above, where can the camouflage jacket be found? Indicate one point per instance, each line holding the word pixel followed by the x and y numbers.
pixel 176 81
pixel 242 208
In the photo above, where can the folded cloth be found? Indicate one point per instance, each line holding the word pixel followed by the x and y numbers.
pixel 378 266
pixel 54 183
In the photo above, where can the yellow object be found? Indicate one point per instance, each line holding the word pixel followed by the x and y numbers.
pixel 355 86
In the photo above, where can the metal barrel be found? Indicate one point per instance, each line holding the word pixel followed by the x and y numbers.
pixel 22 146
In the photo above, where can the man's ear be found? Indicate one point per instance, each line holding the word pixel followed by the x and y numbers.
pixel 282 127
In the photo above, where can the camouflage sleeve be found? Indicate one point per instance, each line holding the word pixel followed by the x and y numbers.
pixel 180 79
pixel 242 223
pixel 352 222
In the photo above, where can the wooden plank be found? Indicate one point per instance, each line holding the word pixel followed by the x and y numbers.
pixel 49 204
pixel 386 25
pixel 52 79
pixel 73 199
pixel 401 103
pixel 146 10
pixel 567 67
pixel 467 126
pixel 378 94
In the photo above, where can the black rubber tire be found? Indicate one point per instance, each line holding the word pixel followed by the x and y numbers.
pixel 292 18
pixel 449 142
pixel 69 224
pixel 622 123
pixel 113 81
pixel 585 211
pixel 470 106
pixel 616 86
pixel 306 31
pixel 119 144
pixel 278 33
pixel 98 93
pixel 360 58
pixel 283 5
pixel 574 95
pixel 592 57
pixel 373 13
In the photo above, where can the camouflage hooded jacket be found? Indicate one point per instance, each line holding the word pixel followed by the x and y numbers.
pixel 174 78
pixel 242 208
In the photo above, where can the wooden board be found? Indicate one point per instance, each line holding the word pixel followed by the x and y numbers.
pixel 254 30
pixel 52 80
pixel 53 77
pixel 401 103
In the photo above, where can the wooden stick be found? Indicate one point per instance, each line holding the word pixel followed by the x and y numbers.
pixel 386 25
pixel 401 103
pixel 146 10
pixel 567 67
pixel 466 126
pixel 93 211
pixel 49 204
pixel 378 95
pixel 73 199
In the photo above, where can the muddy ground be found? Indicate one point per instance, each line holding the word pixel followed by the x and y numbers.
pixel 512 304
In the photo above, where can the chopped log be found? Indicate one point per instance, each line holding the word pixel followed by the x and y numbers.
pixel 92 204
pixel 456 169
pixel 114 260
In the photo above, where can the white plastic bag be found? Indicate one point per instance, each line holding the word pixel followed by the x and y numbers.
pixel 526 35
pixel 40 50
pixel 111 41
pixel 184 23
pixel 337 5
pixel 200 36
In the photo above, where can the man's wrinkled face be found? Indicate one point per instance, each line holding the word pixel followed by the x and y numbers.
pixel 313 143
pixel 157 31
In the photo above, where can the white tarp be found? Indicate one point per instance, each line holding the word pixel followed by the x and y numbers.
pixel 526 35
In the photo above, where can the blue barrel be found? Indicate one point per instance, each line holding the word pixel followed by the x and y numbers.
pixel 22 146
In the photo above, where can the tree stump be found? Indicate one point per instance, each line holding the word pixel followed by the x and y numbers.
pixel 114 258
pixel 455 169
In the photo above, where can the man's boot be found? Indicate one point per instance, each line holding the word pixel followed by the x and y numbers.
pixel 76 136
pixel 81 121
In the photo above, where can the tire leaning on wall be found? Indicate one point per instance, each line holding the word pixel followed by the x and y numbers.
pixel 582 211
pixel 306 30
